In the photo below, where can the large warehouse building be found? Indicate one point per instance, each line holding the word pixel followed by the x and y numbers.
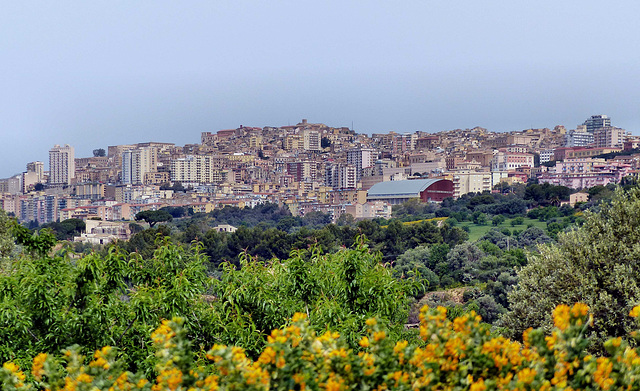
pixel 397 192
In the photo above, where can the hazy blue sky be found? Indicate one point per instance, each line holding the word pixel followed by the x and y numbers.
pixel 99 73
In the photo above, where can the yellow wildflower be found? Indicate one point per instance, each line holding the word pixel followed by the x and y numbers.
pixel 579 310
pixel 603 370
pixel 84 378
pixel 561 316
pixel 379 335
pixel 298 316
pixel 267 356
pixel 364 342
pixel 527 375
pixel 163 333
pixel 13 368
pixel 525 336
pixel 38 365
pixel 478 386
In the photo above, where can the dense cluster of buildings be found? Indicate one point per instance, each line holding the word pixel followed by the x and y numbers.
pixel 311 167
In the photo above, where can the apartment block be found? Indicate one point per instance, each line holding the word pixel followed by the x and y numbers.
pixel 361 158
pixel 471 182
pixel 578 137
pixel 62 166
pixel 136 163
pixel 311 140
pixel 505 161
pixel 341 176
pixel 609 137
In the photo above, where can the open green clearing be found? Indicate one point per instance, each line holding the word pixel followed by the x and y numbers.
pixel 477 231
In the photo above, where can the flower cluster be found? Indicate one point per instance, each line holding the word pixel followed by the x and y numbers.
pixel 459 354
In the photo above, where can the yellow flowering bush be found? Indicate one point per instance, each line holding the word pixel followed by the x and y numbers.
pixel 453 355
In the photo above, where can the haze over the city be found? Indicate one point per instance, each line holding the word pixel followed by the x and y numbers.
pixel 93 74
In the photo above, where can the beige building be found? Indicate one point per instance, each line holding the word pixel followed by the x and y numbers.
pixel 311 140
pixel 369 210
pixel 609 137
pixel 62 166
pixel 38 168
pixel 103 232
pixel 471 182
pixel 192 169
pixel 578 197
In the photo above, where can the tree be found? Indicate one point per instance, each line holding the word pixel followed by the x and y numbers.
pixel 6 240
pixel 346 219
pixel 517 221
pixel 100 152
pixel 316 219
pixel 66 229
pixel 461 259
pixel 50 302
pixel 325 142
pixel 532 237
pixel 597 263
pixel 497 220
pixel 479 218
pixel 152 217
pixel 413 263
pixel 338 291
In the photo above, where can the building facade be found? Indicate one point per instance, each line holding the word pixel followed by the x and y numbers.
pixel 62 165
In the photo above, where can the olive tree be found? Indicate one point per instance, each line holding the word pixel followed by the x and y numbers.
pixel 597 264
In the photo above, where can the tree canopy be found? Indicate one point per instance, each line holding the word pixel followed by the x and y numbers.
pixel 597 263
pixel 152 217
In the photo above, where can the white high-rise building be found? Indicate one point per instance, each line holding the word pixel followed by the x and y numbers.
pixel 361 158
pixel 136 163
pixel 62 166
pixel 596 122
pixel 311 140
pixel 579 137
pixel 340 176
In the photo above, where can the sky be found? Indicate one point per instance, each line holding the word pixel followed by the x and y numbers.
pixel 98 73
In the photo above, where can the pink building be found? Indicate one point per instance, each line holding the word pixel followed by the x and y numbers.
pixel 507 161
pixel 586 172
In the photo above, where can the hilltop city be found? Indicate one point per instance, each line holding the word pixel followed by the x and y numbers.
pixel 311 167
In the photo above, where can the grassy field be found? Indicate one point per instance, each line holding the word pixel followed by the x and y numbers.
pixel 477 231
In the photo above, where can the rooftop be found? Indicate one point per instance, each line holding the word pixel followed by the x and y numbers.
pixel 411 187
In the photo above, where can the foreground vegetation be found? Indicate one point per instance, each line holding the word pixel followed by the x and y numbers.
pixel 105 304
pixel 451 355
pixel 48 303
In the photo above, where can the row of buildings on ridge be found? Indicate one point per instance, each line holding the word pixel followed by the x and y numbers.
pixel 312 167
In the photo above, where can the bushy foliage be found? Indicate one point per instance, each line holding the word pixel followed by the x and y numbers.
pixel 66 229
pixel 413 263
pixel 152 217
pixel 6 240
pixel 547 194
pixel 338 291
pixel 597 263
pixel 268 242
pixel 51 302
pixel 48 302
pixel 458 354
